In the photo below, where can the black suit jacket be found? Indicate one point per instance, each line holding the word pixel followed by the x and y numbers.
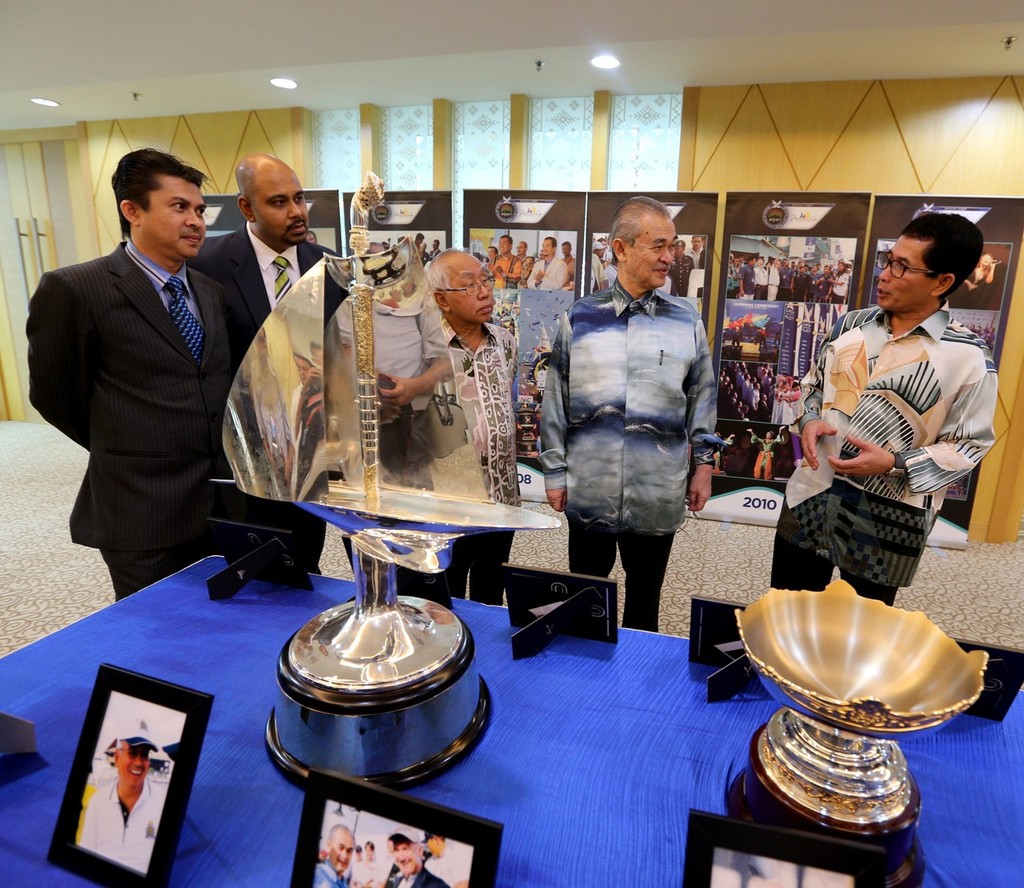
pixel 231 260
pixel 108 367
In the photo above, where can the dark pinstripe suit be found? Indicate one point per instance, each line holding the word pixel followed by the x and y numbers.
pixel 108 367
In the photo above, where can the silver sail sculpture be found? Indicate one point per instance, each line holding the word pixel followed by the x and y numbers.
pixel 381 687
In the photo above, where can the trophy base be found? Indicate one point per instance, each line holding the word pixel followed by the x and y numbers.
pixel 398 733
pixel 753 797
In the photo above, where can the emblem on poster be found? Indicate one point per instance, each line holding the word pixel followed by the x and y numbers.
pixel 796 217
pixel 397 212
pixel 525 212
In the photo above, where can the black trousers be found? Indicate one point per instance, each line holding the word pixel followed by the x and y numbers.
pixel 644 559
pixel 134 570
pixel 796 568
pixel 479 557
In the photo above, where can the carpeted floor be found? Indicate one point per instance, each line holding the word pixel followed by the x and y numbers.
pixel 47 582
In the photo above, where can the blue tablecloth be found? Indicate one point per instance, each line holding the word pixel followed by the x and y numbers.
pixel 593 756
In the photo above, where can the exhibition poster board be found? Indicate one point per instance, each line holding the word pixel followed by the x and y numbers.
pixel 425 216
pixel 223 216
pixel 537 283
pixel 790 264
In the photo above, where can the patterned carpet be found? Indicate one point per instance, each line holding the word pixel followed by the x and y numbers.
pixel 46 582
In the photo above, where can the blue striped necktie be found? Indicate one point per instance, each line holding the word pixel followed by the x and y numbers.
pixel 190 328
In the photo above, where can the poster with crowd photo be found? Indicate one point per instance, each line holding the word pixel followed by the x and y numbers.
pixel 790 264
pixel 531 241
pixel 223 215
pixel 694 215
pixel 981 303
pixel 425 216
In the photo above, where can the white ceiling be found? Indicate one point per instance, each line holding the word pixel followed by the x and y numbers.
pixel 218 55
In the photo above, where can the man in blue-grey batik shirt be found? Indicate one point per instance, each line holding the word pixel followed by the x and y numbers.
pixel 630 398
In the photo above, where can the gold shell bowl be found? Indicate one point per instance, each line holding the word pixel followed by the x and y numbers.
pixel 858 664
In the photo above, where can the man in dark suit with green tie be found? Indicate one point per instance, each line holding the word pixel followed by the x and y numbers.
pixel 128 356
pixel 257 264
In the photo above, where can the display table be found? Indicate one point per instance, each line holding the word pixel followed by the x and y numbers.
pixel 592 759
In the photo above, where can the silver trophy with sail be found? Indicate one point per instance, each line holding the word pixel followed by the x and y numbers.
pixel 383 687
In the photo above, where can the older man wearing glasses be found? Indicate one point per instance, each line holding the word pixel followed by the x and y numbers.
pixel 899 406
pixel 483 358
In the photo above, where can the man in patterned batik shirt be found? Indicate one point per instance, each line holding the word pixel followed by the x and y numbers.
pixel 629 404
pixel 483 358
pixel 899 406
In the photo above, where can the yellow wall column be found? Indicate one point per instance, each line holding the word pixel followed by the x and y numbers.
pixel 444 153
pixel 688 138
pixel 519 141
pixel 369 138
pixel 600 139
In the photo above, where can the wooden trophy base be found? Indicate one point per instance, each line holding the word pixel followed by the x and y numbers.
pixel 755 798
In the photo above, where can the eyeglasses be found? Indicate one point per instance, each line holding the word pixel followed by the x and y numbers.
pixel 472 289
pixel 897 267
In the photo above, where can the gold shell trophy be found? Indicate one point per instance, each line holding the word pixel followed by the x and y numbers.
pixel 380 687
pixel 854 674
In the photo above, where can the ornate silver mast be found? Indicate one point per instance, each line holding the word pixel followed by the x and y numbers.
pixel 381 686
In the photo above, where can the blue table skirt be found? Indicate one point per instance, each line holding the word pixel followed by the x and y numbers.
pixel 593 756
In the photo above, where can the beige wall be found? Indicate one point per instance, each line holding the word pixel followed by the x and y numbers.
pixel 213 143
pixel 942 136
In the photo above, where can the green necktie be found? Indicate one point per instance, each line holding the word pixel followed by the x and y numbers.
pixel 281 282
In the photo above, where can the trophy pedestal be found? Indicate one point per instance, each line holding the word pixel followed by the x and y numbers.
pixel 380 687
pixel 770 792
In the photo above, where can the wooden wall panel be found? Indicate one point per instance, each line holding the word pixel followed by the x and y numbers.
pixel 213 143
pixel 870 150
pixel 811 120
pixel 716 109
pixel 990 160
pixel 750 155
pixel 935 116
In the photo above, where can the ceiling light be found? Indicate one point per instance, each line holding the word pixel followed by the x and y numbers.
pixel 283 82
pixel 48 103
pixel 605 61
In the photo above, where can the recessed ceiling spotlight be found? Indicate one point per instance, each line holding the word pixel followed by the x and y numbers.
pixel 283 83
pixel 47 103
pixel 605 61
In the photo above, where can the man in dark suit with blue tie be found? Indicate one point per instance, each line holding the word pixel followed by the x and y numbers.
pixel 128 356
pixel 256 265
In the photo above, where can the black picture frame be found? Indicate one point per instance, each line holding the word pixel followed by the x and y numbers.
pixel 530 588
pixel 255 552
pixel 1004 677
pixel 854 864
pixel 128 706
pixel 343 801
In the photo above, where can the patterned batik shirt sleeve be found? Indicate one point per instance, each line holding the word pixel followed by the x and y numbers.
pixel 701 399
pixel 554 409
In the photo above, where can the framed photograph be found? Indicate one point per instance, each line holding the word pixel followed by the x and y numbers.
pixel 130 780
pixel 722 852
pixel 357 833
pixel 255 552
pixel 533 593
pixel 1004 677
